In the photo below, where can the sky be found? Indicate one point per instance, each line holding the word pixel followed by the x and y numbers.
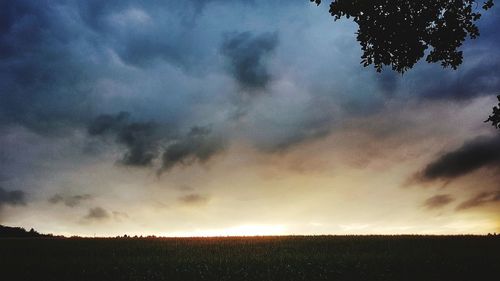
pixel 249 117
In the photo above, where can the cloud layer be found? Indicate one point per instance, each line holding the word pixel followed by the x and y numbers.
pixel 69 201
pixel 481 152
pixel 12 198
pixel 247 54
pixel 256 103
pixel 438 201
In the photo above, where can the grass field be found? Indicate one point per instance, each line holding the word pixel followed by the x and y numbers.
pixel 266 258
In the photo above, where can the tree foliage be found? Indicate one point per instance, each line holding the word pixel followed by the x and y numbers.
pixel 495 116
pixel 398 33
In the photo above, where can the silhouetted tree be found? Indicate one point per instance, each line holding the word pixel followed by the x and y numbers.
pixel 6 231
pixel 397 33
pixel 495 116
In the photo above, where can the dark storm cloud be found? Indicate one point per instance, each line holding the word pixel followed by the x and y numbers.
pixel 54 56
pixel 194 199
pixel 21 26
pixel 480 200
pixel 95 12
pixel 479 153
pixel 198 145
pixel 97 213
pixel 70 201
pixel 438 201
pixel 167 40
pixel 62 63
pixel 468 82
pixel 146 140
pixel 54 53
pixel 247 54
pixel 388 82
pixel 12 198
pixel 141 139
pixel 40 80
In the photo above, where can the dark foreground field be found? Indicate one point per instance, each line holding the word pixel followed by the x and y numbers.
pixel 269 258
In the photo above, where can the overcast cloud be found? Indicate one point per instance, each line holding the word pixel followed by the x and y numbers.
pixel 112 101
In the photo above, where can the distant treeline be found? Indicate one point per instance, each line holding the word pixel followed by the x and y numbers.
pixel 19 232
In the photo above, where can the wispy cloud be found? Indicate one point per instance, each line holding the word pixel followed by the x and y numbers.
pixel 194 199
pixel 70 201
pixel 13 198
pixel 480 199
pixel 481 152
pixel 97 213
pixel 438 201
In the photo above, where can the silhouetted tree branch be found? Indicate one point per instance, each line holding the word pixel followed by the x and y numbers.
pixel 495 116
pixel 397 33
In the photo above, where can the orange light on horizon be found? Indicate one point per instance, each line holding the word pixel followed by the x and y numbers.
pixel 241 230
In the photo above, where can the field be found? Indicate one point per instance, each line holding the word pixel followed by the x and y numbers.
pixel 426 258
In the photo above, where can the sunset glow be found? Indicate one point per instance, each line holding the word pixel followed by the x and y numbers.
pixel 242 230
